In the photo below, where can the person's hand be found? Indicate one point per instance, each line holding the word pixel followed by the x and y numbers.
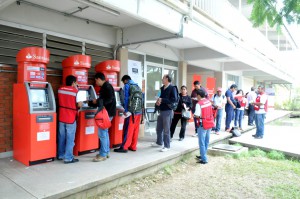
pixel 158 102
pixel 234 107
pixel 80 104
pixel 94 101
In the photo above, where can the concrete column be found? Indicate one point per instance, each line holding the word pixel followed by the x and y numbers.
pixel 122 56
pixel 182 74
pixel 219 80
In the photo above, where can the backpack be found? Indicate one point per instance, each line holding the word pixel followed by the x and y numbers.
pixel 135 104
pixel 223 96
pixel 173 105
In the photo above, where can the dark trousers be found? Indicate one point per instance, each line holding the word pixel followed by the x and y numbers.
pixel 251 113
pixel 175 120
pixel 229 117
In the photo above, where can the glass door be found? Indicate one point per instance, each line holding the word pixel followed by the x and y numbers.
pixel 153 83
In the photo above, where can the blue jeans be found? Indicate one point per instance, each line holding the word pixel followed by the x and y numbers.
pixel 219 120
pixel 66 137
pixel 238 117
pixel 229 117
pixel 260 124
pixel 203 139
pixel 104 141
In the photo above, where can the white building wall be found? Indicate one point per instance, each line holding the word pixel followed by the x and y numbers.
pixel 247 84
pixel 49 22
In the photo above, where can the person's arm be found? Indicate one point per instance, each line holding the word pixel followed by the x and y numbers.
pixel 229 100
pixel 126 96
pixel 197 113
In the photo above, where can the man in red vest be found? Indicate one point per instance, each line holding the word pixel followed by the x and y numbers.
pixel 260 107
pixel 204 122
pixel 67 119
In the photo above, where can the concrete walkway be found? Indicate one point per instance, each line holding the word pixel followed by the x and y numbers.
pixel 87 178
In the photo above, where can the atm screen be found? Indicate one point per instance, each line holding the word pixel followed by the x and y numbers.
pixel 38 95
pixel 82 95
pixel 118 101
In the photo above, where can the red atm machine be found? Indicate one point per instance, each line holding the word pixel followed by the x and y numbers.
pixel 111 68
pixel 86 139
pixel 34 109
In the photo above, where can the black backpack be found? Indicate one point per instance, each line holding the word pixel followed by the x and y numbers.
pixel 173 105
pixel 135 104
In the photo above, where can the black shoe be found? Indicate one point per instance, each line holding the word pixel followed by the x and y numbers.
pixel 198 157
pixel 251 125
pixel 201 162
pixel 120 150
pixel 254 135
pixel 72 161
pixel 180 139
pixel 59 158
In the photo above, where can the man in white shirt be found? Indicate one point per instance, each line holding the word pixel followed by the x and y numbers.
pixel 219 102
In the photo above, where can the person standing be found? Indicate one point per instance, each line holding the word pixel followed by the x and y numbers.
pixel 239 114
pixel 185 103
pixel 67 119
pixel 168 95
pixel 218 102
pixel 131 125
pixel 251 97
pixel 106 99
pixel 260 105
pixel 197 86
pixel 229 107
pixel 203 110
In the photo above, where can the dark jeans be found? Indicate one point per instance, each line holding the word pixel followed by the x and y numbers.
pixel 229 117
pixel 163 128
pixel 175 120
pixel 251 113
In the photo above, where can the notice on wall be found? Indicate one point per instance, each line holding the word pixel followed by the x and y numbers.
pixel 135 71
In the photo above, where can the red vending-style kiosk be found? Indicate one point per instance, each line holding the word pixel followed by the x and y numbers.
pixel 111 68
pixel 86 139
pixel 34 109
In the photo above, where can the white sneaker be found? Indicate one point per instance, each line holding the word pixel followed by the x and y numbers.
pixel 195 135
pixel 164 149
pixel 155 145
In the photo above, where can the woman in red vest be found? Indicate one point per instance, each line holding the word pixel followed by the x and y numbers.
pixel 239 112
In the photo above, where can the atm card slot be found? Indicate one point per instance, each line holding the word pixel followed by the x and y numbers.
pixel 90 115
pixel 44 118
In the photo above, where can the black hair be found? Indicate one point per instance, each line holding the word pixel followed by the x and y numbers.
pixel 169 78
pixel 125 77
pixel 100 76
pixel 252 88
pixel 201 93
pixel 233 86
pixel 196 83
pixel 183 86
pixel 240 91
pixel 70 80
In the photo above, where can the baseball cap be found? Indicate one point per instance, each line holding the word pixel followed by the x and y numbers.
pixel 219 89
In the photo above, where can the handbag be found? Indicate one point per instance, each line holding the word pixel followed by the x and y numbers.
pixel 186 114
pixel 102 119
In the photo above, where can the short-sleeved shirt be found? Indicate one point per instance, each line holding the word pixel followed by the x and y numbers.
pixel 228 94
pixel 219 100
pixel 263 99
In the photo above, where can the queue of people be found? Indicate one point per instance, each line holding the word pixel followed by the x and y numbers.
pixel 172 106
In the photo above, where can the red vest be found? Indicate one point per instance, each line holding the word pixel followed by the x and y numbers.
pixel 206 114
pixel 258 107
pixel 67 104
